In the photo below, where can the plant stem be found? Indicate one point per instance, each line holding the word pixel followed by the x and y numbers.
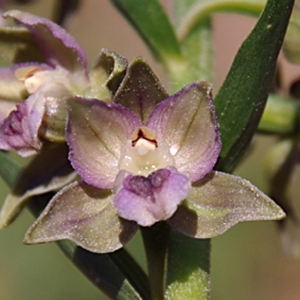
pixel 188 275
pixel 156 242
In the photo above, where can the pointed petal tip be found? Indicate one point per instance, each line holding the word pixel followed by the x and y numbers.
pixel 220 201
pixel 85 216
pixel 187 120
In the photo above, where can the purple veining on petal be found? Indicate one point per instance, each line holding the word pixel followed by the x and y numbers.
pixel 57 44
pixel 151 199
pixel 146 186
pixel 96 133
pixel 187 122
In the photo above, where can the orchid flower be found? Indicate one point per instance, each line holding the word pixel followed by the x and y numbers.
pixel 25 124
pixel 143 165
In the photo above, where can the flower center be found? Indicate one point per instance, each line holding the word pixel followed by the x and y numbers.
pixel 143 155
pixel 27 75
pixel 35 76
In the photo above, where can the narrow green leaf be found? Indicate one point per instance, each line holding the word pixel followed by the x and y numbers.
pixel 104 271
pixel 151 22
pixel 241 99
pixel 33 180
pixel 10 169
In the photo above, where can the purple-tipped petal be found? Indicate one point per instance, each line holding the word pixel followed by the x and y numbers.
pixel 58 45
pixel 84 215
pixel 151 199
pixel 96 133
pixel 187 122
pixel 218 202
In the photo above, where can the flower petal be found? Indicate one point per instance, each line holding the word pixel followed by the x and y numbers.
pixel 218 202
pixel 140 90
pixel 84 215
pixel 151 199
pixel 58 45
pixel 96 133
pixel 187 122
pixel 34 180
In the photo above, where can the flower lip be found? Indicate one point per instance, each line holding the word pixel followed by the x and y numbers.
pixel 145 133
pixel 143 154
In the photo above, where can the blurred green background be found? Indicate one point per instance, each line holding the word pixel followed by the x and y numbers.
pixel 247 261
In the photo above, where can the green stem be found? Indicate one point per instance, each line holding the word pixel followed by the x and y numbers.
pixel 280 115
pixel 156 242
pixel 188 275
pixel 205 8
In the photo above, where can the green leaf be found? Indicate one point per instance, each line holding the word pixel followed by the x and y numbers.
pixel 105 272
pixel 41 175
pixel 10 169
pixel 151 22
pixel 241 100
pixel 17 45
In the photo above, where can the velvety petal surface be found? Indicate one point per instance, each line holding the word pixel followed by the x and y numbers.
pixel 84 215
pixel 151 199
pixel 48 171
pixel 187 122
pixel 218 202
pixel 96 133
pixel 58 45
pixel 140 90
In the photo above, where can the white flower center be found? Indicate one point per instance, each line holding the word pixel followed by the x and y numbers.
pixel 35 76
pixel 142 154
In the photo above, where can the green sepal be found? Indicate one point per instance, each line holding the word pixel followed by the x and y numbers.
pixel 106 75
